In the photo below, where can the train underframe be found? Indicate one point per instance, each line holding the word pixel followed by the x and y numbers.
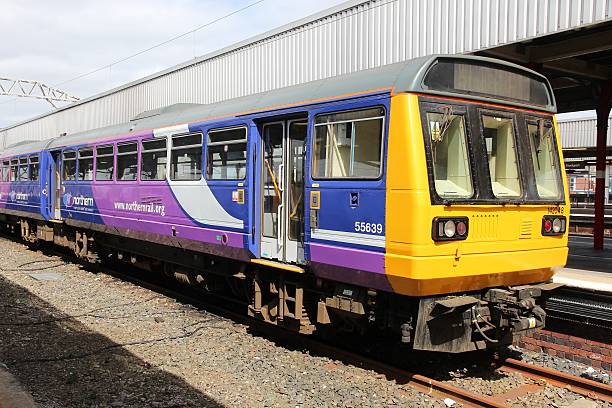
pixel 460 322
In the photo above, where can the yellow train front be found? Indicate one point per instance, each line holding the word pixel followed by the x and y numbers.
pixel 477 205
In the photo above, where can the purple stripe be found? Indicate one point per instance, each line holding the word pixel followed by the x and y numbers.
pixel 348 258
pixel 196 233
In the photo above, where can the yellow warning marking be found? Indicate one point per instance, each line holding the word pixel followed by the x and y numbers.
pixel 278 265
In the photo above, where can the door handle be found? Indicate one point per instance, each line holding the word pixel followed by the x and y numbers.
pixel 279 224
pixel 281 178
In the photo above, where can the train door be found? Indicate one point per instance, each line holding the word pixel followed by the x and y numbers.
pixel 282 190
pixel 55 185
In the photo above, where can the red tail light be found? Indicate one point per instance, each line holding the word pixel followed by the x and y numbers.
pixel 449 228
pixel 554 225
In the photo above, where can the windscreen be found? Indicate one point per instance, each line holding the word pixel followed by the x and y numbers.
pixel 479 154
pixel 449 149
pixel 486 80
pixel 545 157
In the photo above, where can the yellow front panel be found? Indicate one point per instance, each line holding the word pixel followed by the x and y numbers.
pixel 504 245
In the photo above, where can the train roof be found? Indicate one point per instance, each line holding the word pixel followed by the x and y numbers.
pixel 407 76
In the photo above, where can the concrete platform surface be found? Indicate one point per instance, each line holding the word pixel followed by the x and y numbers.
pixel 582 255
pixel 583 279
pixel 12 394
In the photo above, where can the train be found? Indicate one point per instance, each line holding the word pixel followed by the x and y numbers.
pixel 424 201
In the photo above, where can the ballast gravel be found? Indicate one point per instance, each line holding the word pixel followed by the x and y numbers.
pixel 91 340
pixel 84 339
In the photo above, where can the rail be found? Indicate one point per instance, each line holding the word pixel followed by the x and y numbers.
pixel 583 386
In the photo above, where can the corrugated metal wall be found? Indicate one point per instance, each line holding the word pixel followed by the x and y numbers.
pixel 354 36
pixel 581 133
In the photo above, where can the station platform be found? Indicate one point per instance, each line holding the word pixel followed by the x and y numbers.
pixel 583 256
pixel 11 393
pixel 587 268
pixel 583 279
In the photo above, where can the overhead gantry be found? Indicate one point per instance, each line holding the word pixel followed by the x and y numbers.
pixel 24 88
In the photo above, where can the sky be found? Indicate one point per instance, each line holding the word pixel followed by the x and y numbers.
pixel 55 41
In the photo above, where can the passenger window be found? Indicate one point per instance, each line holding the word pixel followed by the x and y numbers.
pixel 449 151
pixel 33 168
pixel 501 153
pixel 14 167
pixel 23 169
pixel 104 162
pixel 154 158
pixel 69 165
pixel 5 171
pixel 86 164
pixel 186 157
pixel 226 154
pixel 127 161
pixel 543 153
pixel 348 144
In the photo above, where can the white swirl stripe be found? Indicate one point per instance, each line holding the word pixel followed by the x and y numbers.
pixel 349 237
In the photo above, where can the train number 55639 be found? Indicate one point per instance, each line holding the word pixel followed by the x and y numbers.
pixel 368 227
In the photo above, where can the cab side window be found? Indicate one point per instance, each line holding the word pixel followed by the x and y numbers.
pixel 348 145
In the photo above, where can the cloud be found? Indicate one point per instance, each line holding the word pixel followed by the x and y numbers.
pixel 57 40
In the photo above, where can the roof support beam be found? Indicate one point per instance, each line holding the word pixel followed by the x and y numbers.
pixel 573 47
pixel 572 66
pixel 579 67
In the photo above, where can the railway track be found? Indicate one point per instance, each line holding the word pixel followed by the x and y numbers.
pixel 579 385
pixel 422 383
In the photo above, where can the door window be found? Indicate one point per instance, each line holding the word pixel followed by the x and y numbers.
pixel 272 178
pixel 297 155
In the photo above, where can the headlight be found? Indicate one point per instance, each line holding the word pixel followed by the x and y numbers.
pixel 553 225
pixel 449 228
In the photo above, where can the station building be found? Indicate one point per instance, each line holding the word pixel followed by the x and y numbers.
pixel 578 141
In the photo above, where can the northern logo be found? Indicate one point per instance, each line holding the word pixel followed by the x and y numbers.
pixel 71 201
